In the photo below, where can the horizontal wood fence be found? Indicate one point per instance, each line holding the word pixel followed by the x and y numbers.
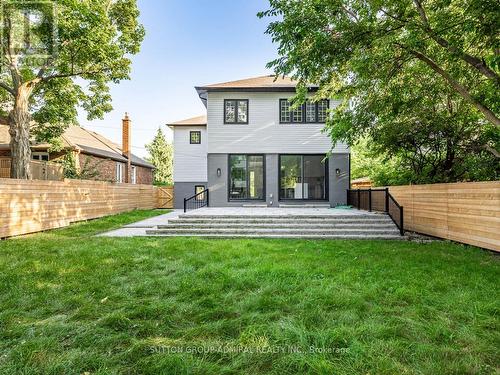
pixel 33 206
pixel 466 212
pixel 40 170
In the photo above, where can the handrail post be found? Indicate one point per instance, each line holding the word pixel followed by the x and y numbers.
pixel 359 199
pixel 401 222
pixel 370 200
pixel 208 198
pixel 386 199
pixel 184 205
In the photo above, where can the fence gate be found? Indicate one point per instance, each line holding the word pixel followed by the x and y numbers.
pixel 165 197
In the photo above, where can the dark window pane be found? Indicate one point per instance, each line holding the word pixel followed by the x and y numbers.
pixel 242 111
pixel 314 177
pixel 255 177
pixel 195 137
pixel 230 111
pixel 285 115
pixel 238 177
pixel 291 177
pixel 322 110
pixel 298 114
pixel 310 111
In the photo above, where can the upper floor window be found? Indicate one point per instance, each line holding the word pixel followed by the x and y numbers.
pixel 236 111
pixel 41 156
pixel 195 137
pixel 311 112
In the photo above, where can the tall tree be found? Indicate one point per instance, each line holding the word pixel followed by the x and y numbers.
pixel 355 48
pixel 59 55
pixel 162 157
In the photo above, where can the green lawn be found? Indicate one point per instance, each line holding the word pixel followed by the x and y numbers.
pixel 71 303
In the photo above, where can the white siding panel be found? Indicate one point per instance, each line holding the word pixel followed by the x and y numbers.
pixel 190 161
pixel 264 133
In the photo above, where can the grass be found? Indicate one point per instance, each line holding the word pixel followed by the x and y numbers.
pixel 71 303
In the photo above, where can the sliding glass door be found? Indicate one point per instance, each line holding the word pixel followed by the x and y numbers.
pixel 246 177
pixel 303 177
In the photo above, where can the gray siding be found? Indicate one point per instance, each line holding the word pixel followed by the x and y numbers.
pixel 263 133
pixel 218 186
pixel 190 161
pixel 184 190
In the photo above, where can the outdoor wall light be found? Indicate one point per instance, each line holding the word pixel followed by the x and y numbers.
pixel 219 172
pixel 337 172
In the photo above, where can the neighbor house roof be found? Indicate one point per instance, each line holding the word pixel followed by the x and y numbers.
pixel 198 120
pixel 84 140
pixel 262 83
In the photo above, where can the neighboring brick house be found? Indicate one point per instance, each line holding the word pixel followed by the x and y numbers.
pixel 91 151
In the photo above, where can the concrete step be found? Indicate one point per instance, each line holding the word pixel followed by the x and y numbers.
pixel 306 205
pixel 284 225
pixel 282 221
pixel 286 236
pixel 283 231
pixel 293 217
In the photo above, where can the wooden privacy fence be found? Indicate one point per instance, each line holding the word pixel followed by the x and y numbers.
pixel 466 212
pixel 33 206
pixel 40 170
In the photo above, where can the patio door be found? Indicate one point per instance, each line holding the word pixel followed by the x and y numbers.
pixel 303 177
pixel 246 177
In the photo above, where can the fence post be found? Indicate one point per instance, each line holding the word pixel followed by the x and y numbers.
pixel 184 205
pixel 386 199
pixel 401 221
pixel 359 198
pixel 370 200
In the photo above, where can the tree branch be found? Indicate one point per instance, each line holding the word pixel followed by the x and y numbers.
pixel 475 62
pixel 7 88
pixel 462 90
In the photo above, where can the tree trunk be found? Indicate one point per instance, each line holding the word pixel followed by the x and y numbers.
pixel 19 129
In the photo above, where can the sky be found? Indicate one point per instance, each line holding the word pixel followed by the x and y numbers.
pixel 188 43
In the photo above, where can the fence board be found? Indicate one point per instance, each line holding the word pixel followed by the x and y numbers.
pixel 467 212
pixel 37 205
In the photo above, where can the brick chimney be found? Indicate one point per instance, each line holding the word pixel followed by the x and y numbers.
pixel 126 146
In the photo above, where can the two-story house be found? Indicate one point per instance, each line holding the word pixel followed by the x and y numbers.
pixel 253 149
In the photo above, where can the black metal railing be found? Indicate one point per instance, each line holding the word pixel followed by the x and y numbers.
pixel 377 200
pixel 197 201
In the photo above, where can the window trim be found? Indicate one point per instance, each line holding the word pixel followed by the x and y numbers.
pixel 327 179
pixel 200 197
pixel 236 122
pixel 263 199
pixel 120 172
pixel 191 132
pixel 133 174
pixel 304 112
pixel 40 154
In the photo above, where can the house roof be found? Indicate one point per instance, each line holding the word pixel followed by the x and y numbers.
pixel 262 83
pixel 198 120
pixel 84 140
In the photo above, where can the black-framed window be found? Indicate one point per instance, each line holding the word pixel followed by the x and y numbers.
pixel 309 112
pixel 195 137
pixel 246 177
pixel 303 177
pixel 236 111
pixel 197 190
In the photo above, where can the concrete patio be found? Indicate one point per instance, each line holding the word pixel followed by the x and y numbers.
pixel 237 217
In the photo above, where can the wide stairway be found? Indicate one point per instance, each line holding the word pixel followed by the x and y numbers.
pixel 344 226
